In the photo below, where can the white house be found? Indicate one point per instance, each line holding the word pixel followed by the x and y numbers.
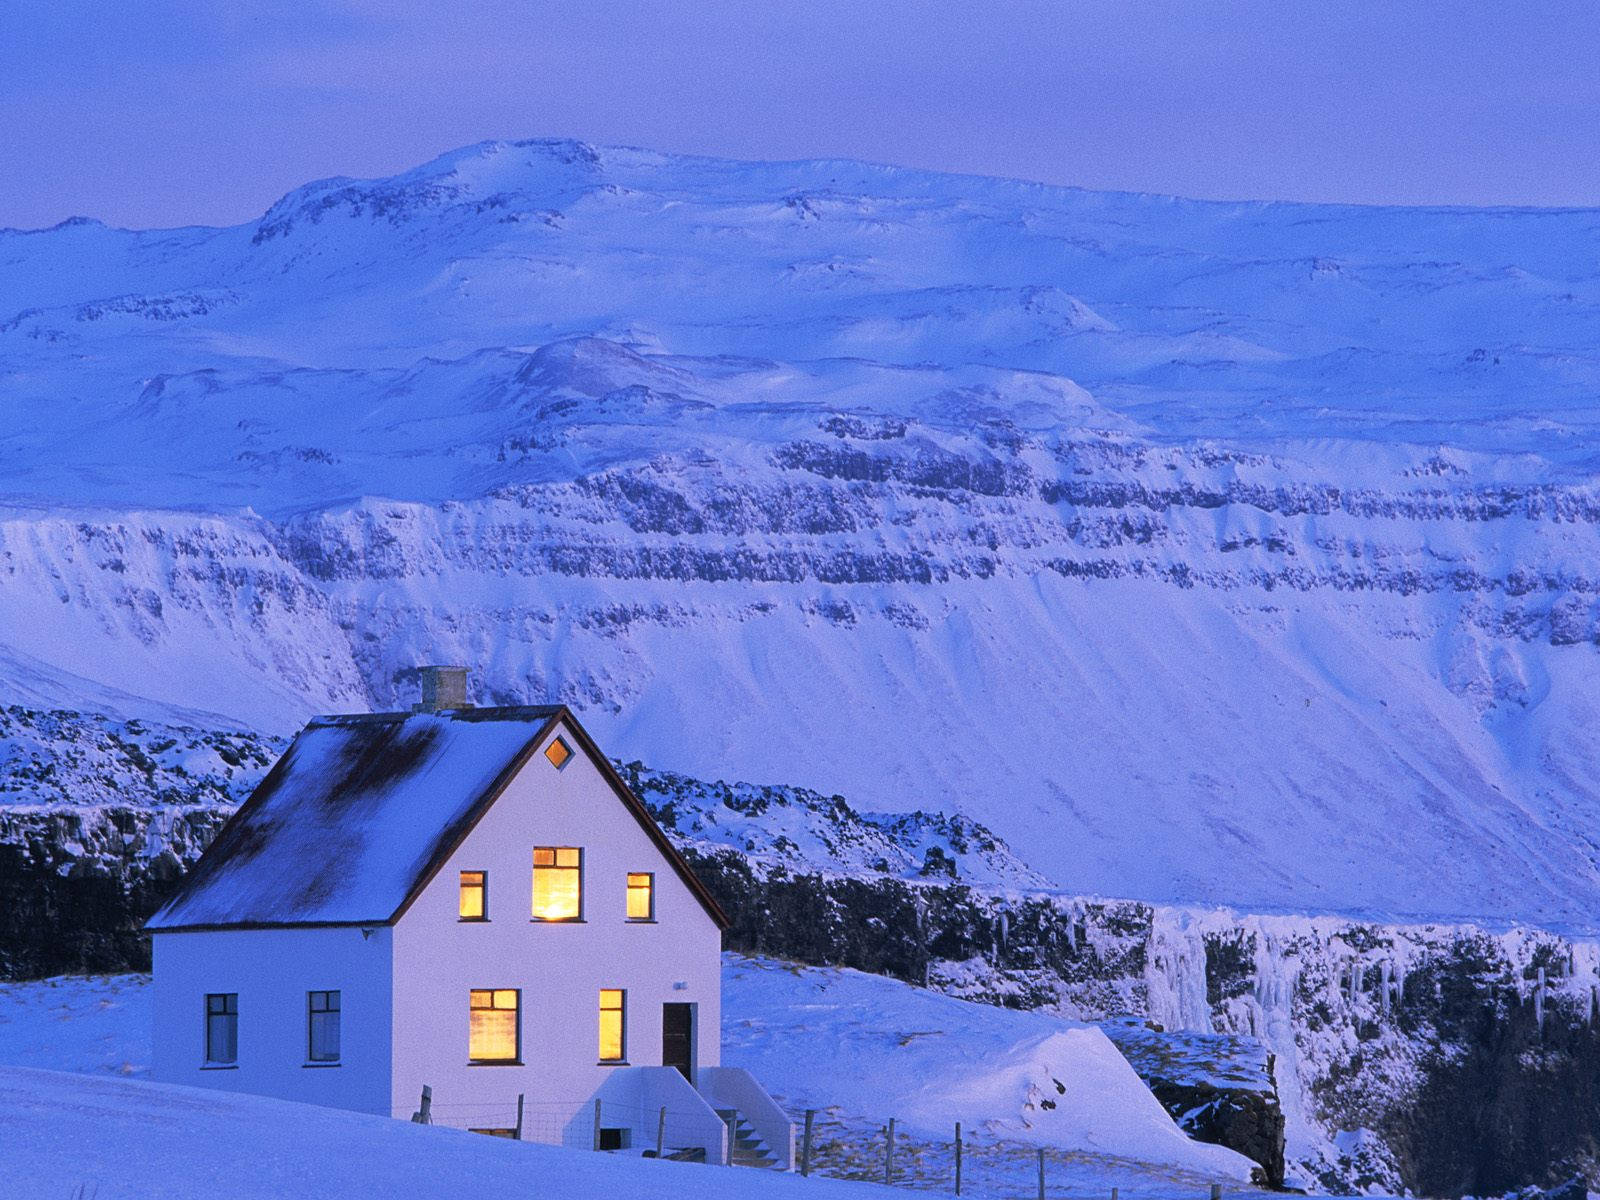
pixel 467 899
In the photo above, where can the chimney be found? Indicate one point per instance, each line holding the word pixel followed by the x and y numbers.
pixel 443 687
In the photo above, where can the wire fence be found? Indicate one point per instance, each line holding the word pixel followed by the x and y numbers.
pixel 976 1160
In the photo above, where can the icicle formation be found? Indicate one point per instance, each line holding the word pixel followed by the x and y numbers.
pixel 1175 973
pixel 1385 980
pixel 1538 1000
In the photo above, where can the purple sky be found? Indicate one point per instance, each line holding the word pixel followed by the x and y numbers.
pixel 168 112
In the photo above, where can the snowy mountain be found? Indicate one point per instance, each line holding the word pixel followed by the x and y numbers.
pixel 1196 549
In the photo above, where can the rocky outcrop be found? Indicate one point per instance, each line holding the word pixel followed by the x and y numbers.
pixel 77 884
pixel 1218 1087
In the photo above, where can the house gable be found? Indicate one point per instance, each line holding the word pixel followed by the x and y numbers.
pixel 564 725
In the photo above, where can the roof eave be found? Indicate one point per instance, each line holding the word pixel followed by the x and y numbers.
pixel 214 927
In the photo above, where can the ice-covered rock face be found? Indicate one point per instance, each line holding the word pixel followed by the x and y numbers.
pixel 1196 549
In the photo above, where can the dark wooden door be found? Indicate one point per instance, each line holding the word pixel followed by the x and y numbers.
pixel 677 1038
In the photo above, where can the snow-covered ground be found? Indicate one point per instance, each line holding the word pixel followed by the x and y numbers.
pixel 858 1048
pixel 98 1024
pixel 83 1137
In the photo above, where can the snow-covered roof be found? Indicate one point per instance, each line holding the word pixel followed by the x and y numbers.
pixel 361 810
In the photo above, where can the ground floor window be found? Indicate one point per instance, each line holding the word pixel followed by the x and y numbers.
pixel 222 1028
pixel 322 1027
pixel 493 1033
pixel 613 1024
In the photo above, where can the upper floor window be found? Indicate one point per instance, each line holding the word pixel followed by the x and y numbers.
pixel 641 896
pixel 474 896
pixel 558 752
pixel 322 1027
pixel 557 883
pixel 493 1029
pixel 222 1028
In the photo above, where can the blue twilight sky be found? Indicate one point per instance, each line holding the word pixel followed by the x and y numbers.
pixel 165 112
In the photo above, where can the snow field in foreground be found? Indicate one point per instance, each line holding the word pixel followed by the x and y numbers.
pixel 128 1140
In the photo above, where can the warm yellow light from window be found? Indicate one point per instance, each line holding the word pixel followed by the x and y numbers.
pixel 492 1029
pixel 557 883
pixel 611 1017
pixel 641 896
pixel 472 890
pixel 558 752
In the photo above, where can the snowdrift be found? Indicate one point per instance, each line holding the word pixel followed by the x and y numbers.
pixel 837 1038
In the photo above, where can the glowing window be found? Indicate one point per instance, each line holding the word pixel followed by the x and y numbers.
pixel 474 896
pixel 492 1027
pixel 222 1028
pixel 558 752
pixel 641 896
pixel 612 1024
pixel 322 1027
pixel 557 883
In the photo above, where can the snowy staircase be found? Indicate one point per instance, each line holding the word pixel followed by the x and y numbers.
pixel 745 1149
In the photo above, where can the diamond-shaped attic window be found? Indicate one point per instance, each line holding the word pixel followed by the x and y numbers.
pixel 558 752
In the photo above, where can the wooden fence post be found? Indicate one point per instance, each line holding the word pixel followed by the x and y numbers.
pixel 520 1098
pixel 888 1155
pixel 958 1158
pixel 661 1130
pixel 597 1123
pixel 424 1113
pixel 1216 1191
pixel 1041 1173
pixel 805 1143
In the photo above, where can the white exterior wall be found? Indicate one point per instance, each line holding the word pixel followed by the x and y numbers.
pixel 559 968
pixel 272 970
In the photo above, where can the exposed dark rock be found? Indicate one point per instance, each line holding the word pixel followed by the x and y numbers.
pixel 1218 1088
pixel 76 885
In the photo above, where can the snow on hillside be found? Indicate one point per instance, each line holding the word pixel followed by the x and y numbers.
pixel 1192 548
pixel 806 831
pixel 70 758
